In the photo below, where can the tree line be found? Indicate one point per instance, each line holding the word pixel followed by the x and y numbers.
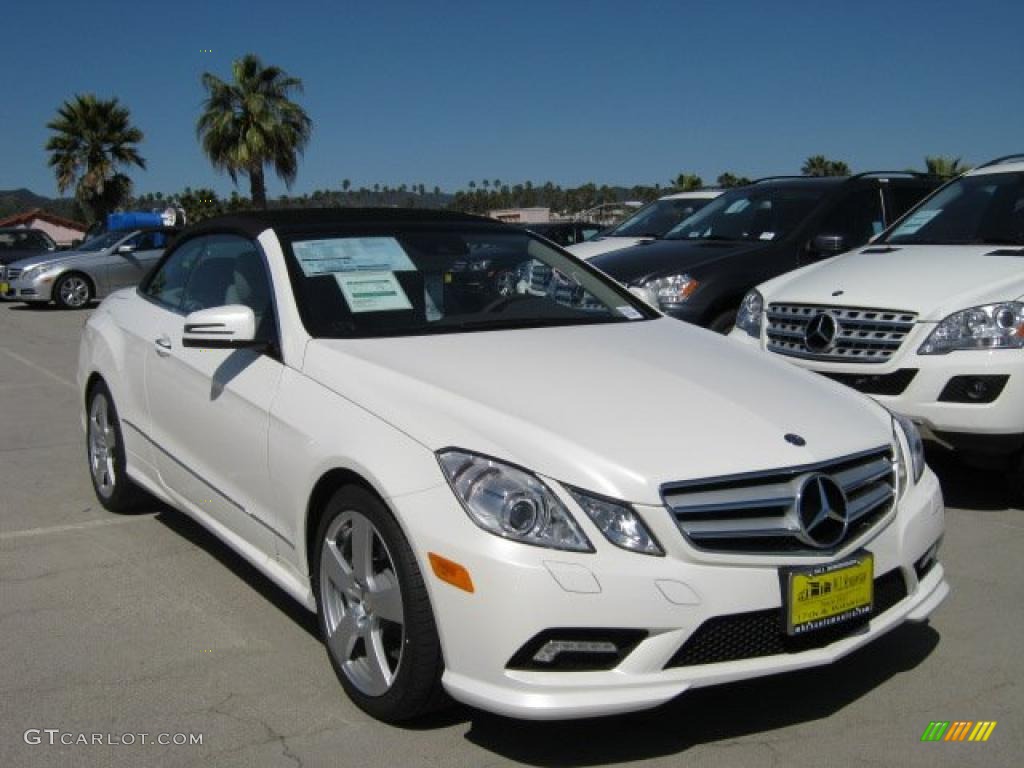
pixel 251 123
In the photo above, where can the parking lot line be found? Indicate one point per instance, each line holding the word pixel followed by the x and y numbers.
pixel 74 527
pixel 39 368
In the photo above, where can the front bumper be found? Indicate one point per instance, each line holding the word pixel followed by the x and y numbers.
pixel 39 289
pixel 1002 419
pixel 521 591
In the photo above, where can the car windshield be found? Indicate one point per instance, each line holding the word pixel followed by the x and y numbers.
pixel 751 213
pixel 659 217
pixel 419 280
pixel 987 209
pixel 102 242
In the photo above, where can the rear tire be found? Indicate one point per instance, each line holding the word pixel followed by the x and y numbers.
pixel 373 610
pixel 105 451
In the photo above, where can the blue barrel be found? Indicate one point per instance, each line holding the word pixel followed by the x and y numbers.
pixel 133 220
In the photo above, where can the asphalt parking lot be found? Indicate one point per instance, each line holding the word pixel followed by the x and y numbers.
pixel 146 624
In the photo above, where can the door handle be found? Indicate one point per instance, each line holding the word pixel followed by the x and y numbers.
pixel 163 346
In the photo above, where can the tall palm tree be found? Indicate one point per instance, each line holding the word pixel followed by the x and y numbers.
pixel 252 122
pixel 686 182
pixel 93 141
pixel 945 167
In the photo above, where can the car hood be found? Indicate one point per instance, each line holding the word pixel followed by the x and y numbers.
pixel 657 258
pixel 931 280
pixel 591 248
pixel 50 259
pixel 616 409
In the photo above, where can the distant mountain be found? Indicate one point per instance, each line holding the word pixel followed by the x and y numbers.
pixel 17 200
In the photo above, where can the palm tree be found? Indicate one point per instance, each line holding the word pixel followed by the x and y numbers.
pixel 251 123
pixel 346 185
pixel 819 165
pixel 686 182
pixel 728 180
pixel 93 139
pixel 944 167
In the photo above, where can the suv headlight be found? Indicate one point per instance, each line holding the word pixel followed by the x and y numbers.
pixel 912 435
pixel 671 291
pixel 511 502
pixel 748 318
pixel 618 522
pixel 992 326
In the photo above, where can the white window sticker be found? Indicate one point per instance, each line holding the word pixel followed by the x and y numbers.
pixel 372 291
pixel 767 236
pixel 351 254
pixel 915 221
pixel 629 312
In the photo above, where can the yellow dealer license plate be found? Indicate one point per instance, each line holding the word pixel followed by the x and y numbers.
pixel 4 288
pixel 821 596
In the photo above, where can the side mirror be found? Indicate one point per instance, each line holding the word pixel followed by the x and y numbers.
pixel 828 245
pixel 126 248
pixel 229 327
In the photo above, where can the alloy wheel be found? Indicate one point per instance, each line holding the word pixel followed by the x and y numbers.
pixel 102 446
pixel 74 291
pixel 362 603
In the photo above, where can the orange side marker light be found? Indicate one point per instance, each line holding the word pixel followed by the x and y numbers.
pixel 451 572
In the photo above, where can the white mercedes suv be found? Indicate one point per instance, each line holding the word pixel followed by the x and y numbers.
pixel 546 505
pixel 928 318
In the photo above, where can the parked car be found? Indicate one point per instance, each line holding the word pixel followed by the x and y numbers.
pixel 467 500
pixel 929 319
pixel 20 242
pixel 94 269
pixel 651 222
pixel 564 233
pixel 700 271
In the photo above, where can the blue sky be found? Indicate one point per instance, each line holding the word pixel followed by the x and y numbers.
pixel 442 92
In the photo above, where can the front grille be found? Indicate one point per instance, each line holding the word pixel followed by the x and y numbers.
pixel 10 273
pixel 757 513
pixel 763 633
pixel 861 335
pixel 875 383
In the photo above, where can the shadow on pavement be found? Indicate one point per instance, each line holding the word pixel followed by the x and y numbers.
pixel 709 714
pixel 968 487
pixel 188 528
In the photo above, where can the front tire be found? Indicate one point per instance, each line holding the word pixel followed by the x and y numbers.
pixel 72 291
pixel 373 610
pixel 105 450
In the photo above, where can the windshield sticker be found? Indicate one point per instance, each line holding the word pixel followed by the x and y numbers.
pixel 351 254
pixel 767 236
pixel 915 221
pixel 629 312
pixel 372 291
pixel 738 206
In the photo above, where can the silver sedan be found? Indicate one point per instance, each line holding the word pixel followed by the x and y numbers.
pixel 95 269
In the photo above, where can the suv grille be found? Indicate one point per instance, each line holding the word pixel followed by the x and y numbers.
pixel 757 513
pixel 763 633
pixel 860 335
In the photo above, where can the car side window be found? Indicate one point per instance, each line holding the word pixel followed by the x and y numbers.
pixel 858 217
pixel 167 286
pixel 149 241
pixel 231 270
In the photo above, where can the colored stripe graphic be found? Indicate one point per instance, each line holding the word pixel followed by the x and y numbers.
pixel 983 730
pixel 935 731
pixel 958 731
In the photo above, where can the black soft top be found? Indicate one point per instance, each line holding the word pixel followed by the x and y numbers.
pixel 296 220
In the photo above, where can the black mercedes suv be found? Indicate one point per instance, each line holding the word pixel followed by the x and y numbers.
pixel 700 271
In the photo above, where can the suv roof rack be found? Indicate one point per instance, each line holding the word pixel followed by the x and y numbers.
pixel 911 174
pixel 1003 159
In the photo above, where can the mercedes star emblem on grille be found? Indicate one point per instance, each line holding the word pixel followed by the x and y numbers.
pixel 820 333
pixel 821 511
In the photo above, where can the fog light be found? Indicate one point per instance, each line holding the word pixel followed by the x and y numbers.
pixel 928 560
pixel 973 389
pixel 552 648
pixel 577 650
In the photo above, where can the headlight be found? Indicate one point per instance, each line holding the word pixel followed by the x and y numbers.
pixel 33 272
pixel 748 318
pixel 618 522
pixel 671 291
pixel 913 437
pixel 511 503
pixel 992 326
